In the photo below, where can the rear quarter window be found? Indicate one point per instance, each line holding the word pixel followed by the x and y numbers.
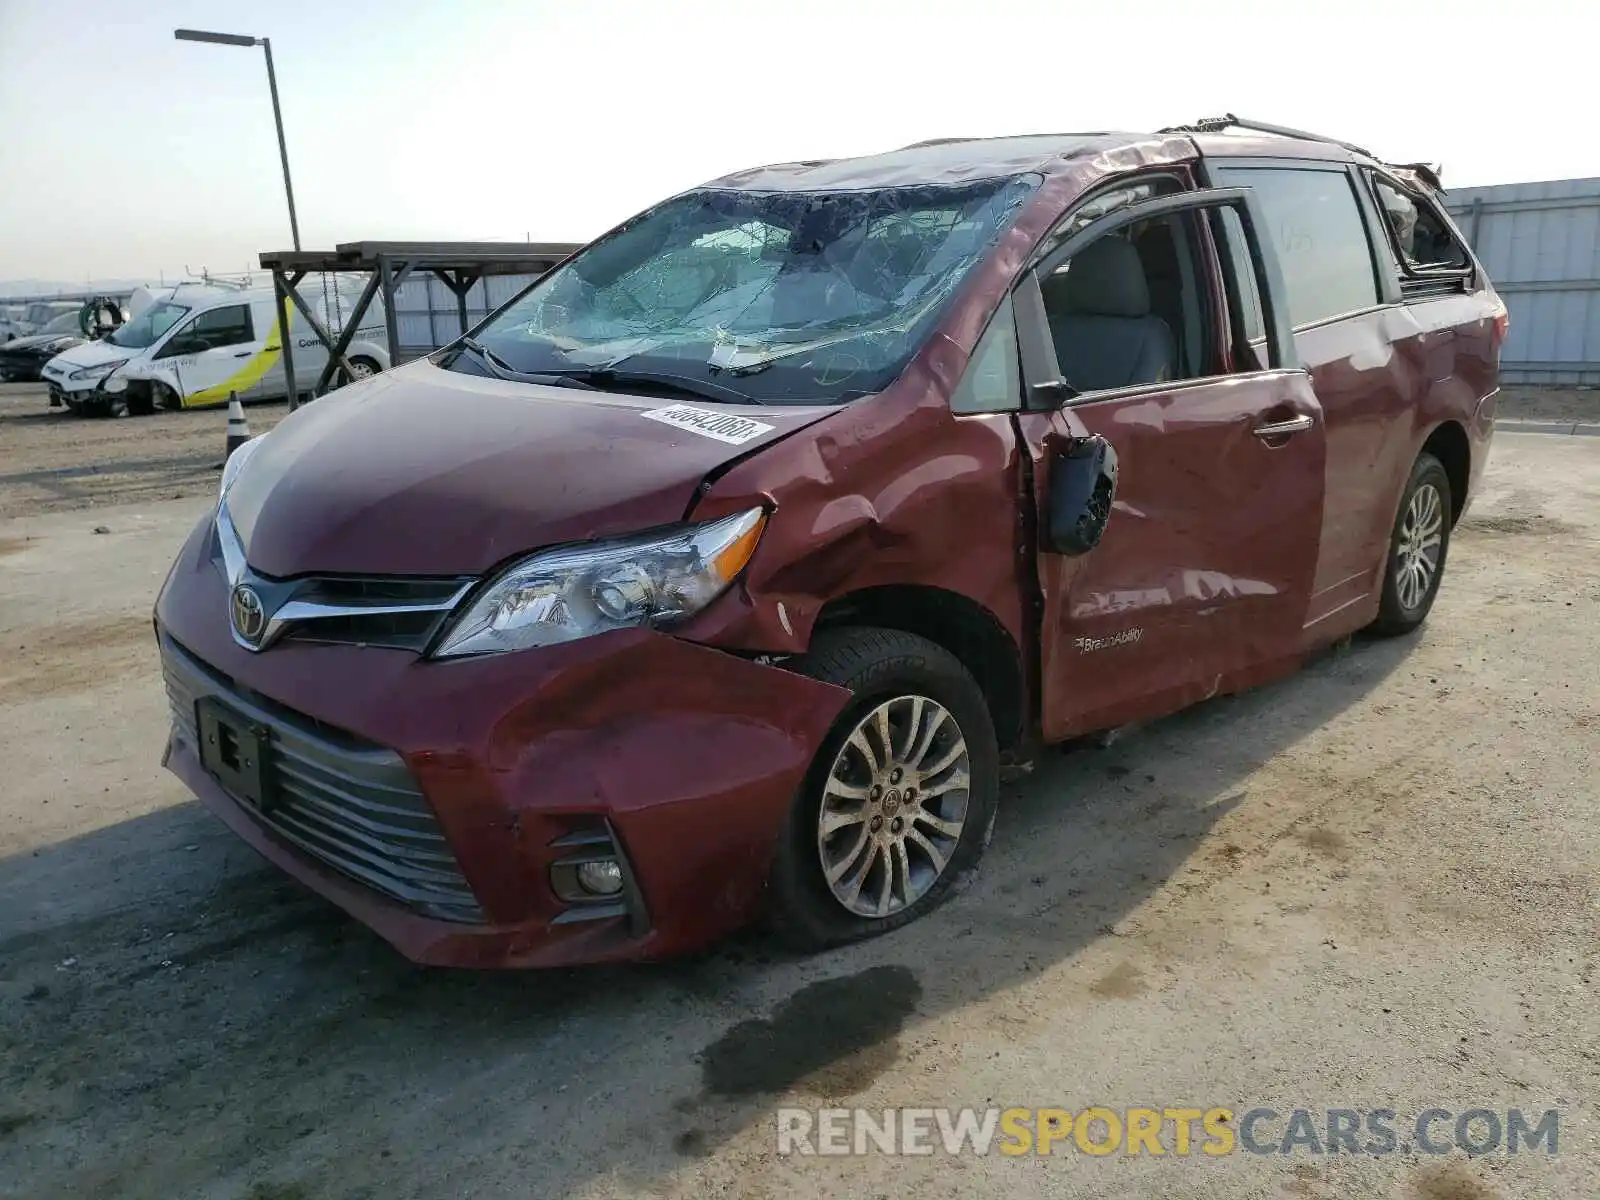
pixel 1315 224
pixel 1423 245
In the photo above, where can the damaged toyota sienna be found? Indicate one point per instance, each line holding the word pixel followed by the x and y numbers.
pixel 715 577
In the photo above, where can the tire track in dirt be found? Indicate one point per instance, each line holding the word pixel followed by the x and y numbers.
pixel 72 656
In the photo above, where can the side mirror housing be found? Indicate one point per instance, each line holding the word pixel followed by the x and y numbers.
pixel 1083 482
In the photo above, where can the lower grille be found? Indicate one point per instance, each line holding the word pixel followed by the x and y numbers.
pixel 345 802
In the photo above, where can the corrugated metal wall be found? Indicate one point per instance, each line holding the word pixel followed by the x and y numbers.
pixel 427 313
pixel 1540 243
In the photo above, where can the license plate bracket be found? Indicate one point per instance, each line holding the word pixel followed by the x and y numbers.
pixel 234 751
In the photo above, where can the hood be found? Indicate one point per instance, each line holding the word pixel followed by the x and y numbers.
pixel 37 341
pixel 91 354
pixel 423 471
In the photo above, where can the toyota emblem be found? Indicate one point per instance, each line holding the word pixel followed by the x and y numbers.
pixel 249 614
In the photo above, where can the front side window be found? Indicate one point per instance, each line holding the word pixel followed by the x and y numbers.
pixel 219 327
pixel 1243 291
pixel 1315 223
pixel 211 330
pixel 1130 308
pixel 780 297
pixel 150 325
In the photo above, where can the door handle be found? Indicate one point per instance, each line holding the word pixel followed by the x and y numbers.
pixel 1276 429
pixel 242 354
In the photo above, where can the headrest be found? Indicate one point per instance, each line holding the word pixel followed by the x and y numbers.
pixel 1104 279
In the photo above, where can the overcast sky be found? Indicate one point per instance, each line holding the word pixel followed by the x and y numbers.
pixel 126 153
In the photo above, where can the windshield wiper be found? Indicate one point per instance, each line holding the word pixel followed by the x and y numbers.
pixel 596 379
pixel 499 368
pixel 610 377
pixel 488 357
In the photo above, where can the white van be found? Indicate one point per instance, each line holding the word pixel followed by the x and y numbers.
pixel 201 343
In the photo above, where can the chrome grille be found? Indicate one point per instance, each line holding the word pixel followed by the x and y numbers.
pixel 341 800
pixel 397 612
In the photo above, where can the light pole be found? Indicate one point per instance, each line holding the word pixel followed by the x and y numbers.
pixel 235 39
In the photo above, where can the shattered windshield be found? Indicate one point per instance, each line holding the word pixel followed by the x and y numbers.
pixel 149 325
pixel 797 297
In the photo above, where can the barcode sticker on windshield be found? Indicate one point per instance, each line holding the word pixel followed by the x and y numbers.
pixel 724 427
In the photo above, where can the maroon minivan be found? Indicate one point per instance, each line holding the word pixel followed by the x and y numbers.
pixel 716 575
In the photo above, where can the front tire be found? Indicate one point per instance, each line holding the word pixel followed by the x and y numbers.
pixel 899 802
pixel 1418 546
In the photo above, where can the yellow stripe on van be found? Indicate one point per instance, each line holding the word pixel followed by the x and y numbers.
pixel 245 378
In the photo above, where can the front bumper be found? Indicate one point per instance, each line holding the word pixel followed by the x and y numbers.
pixel 688 757
pixel 73 397
pixel 78 392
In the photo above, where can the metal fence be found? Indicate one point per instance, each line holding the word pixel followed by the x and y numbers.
pixel 1540 243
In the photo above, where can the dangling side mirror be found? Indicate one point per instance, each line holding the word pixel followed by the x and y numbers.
pixel 1083 482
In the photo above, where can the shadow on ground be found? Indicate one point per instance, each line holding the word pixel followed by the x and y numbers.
pixel 205 1025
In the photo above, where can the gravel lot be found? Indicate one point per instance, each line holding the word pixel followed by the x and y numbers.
pixel 52 461
pixel 1373 885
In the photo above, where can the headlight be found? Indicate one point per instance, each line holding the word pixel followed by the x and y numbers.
pixel 562 595
pixel 99 369
pixel 235 464
pixel 60 343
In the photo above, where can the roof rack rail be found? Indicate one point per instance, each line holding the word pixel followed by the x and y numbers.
pixel 1429 173
pixel 1229 121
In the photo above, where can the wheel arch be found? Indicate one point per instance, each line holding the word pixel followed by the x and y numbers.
pixel 364 348
pixel 1448 443
pixel 974 635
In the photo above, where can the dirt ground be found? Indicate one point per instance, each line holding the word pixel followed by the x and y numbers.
pixel 1371 886
pixel 52 461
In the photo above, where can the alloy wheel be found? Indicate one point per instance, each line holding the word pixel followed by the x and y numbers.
pixel 1418 546
pixel 894 806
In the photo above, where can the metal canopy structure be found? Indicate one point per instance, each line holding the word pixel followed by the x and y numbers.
pixel 458 265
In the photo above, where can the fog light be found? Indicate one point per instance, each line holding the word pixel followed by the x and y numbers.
pixel 602 878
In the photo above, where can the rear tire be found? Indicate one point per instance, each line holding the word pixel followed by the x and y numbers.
pixel 899 802
pixel 1419 544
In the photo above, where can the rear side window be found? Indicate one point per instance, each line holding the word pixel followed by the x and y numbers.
pixel 1316 226
pixel 1422 240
